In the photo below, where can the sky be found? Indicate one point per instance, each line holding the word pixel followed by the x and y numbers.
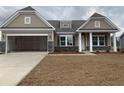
pixel 114 13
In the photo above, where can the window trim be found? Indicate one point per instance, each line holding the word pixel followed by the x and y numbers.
pixel 60 40
pixel 25 20
pixel 98 41
pixel 97 24
pixel 66 43
pixel 65 24
pixel 67 39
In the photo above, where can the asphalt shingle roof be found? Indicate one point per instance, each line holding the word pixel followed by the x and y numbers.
pixel 75 25
pixel 97 15
pixel 29 8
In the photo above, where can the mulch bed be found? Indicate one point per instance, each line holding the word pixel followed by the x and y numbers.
pixel 108 53
pixel 66 52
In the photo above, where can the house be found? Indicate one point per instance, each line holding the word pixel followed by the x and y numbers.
pixel 27 30
pixel 121 42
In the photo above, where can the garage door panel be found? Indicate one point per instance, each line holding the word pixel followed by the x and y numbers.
pixel 30 43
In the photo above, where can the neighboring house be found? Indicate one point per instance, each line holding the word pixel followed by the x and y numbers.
pixel 121 42
pixel 27 30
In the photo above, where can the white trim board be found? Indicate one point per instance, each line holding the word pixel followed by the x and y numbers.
pixel 23 29
pixel 26 34
pixel 99 31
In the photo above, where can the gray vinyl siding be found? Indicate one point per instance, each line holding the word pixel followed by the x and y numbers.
pixel 50 46
pixel 103 24
pixel 19 21
pixel 76 40
pixel 56 39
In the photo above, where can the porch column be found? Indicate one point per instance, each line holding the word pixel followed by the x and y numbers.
pixel 114 43
pixel 79 43
pixel 6 44
pixel 91 42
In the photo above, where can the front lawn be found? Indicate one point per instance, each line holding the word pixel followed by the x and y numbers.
pixel 101 69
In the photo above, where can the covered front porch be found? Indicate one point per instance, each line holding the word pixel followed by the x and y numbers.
pixel 96 41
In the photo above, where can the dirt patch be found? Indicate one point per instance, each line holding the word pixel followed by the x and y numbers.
pixel 103 69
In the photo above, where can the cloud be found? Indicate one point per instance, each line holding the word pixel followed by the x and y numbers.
pixel 62 13
pixel 7 11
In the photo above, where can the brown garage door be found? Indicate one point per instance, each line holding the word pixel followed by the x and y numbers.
pixel 31 43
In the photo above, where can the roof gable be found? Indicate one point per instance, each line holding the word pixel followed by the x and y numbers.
pixel 18 22
pixel 97 15
pixel 25 12
pixel 105 23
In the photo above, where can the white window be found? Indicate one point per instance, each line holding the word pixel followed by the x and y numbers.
pixel 27 20
pixel 98 40
pixel 66 40
pixel 97 24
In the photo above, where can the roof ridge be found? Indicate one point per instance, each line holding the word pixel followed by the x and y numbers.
pixel 28 8
pixel 97 15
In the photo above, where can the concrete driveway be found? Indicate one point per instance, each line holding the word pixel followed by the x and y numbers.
pixel 15 66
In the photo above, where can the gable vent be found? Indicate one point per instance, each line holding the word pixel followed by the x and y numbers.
pixel 65 24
